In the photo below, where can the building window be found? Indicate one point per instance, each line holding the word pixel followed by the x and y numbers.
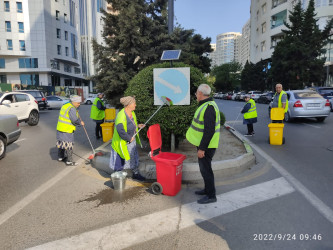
pixel 74 46
pixel 2 63
pixel 72 12
pixel 28 63
pixel 19 7
pixel 59 49
pixel 21 27
pixel 57 14
pixel 22 45
pixel 67 68
pixel 9 44
pixel 55 64
pixel 263 8
pixel 263 28
pixel 67 51
pixel 58 33
pixel 8 26
pixel 3 79
pixel 29 79
pixel 66 35
pixel 77 70
pixel 7 6
pixel 263 46
pixel 65 18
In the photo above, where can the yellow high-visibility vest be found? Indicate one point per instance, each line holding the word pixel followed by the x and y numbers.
pixel 195 132
pixel 64 122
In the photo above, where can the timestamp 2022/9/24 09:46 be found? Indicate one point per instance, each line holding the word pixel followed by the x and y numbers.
pixel 287 237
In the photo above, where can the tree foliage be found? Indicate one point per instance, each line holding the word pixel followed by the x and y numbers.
pixel 255 76
pixel 296 59
pixel 227 76
pixel 135 35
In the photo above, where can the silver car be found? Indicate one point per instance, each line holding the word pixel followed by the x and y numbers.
pixel 9 132
pixel 306 104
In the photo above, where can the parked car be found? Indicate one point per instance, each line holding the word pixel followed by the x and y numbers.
pixel 306 104
pixel 240 96
pixel 233 96
pixel 254 94
pixel 9 132
pixel 266 97
pixel 23 105
pixel 56 102
pixel 39 96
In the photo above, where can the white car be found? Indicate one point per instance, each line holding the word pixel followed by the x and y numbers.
pixel 23 105
pixel 254 94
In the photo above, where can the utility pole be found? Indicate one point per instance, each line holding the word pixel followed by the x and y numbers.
pixel 170 16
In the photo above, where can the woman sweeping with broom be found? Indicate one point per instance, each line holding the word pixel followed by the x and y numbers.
pixel 124 154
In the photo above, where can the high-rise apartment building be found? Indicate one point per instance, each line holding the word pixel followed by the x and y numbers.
pixel 212 55
pixel 227 47
pixel 266 22
pixel 48 42
pixel 244 54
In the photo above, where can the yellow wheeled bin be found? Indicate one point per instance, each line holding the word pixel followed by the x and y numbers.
pixel 276 129
pixel 276 133
pixel 107 131
pixel 110 114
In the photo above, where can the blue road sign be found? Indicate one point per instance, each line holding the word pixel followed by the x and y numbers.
pixel 173 83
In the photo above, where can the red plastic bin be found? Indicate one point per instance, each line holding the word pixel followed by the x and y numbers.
pixel 169 166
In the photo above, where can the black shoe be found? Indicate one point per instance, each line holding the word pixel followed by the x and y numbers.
pixel 98 137
pixel 248 135
pixel 200 192
pixel 252 133
pixel 138 177
pixel 206 200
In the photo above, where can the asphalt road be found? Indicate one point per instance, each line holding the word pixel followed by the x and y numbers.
pixel 261 208
pixel 32 160
pixel 307 153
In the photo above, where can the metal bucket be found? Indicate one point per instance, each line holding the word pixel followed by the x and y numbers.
pixel 118 180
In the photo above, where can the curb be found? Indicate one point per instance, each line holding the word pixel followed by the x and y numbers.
pixel 191 172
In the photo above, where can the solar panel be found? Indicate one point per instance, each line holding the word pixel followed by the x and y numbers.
pixel 170 55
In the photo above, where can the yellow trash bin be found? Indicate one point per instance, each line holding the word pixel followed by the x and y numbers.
pixel 110 114
pixel 277 114
pixel 276 133
pixel 107 131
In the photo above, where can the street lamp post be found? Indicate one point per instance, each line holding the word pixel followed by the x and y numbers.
pixel 170 16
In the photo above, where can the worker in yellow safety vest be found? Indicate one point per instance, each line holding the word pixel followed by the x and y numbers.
pixel 280 98
pixel 68 120
pixel 250 114
pixel 124 154
pixel 97 113
pixel 204 133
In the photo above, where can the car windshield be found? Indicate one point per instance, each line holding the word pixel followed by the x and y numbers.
pixel 307 95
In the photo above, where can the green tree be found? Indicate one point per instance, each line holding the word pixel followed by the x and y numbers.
pixel 227 76
pixel 135 35
pixel 295 61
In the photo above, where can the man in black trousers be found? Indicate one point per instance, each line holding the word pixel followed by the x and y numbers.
pixel 204 133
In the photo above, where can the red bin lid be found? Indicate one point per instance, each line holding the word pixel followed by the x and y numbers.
pixel 154 136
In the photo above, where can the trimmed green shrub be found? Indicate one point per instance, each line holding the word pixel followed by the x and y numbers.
pixel 222 118
pixel 176 119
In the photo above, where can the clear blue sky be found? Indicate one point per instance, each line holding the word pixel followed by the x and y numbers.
pixel 210 18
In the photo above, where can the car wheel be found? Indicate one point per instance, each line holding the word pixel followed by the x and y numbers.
pixel 88 102
pixel 321 119
pixel 33 118
pixel 287 117
pixel 2 147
